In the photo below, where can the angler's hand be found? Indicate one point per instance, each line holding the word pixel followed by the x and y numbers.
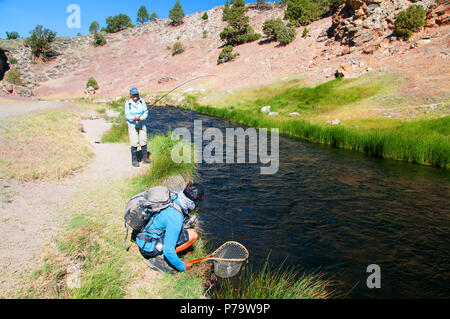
pixel 188 265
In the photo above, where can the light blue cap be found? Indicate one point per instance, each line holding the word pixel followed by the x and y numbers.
pixel 134 91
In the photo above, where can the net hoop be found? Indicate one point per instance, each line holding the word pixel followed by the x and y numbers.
pixel 228 259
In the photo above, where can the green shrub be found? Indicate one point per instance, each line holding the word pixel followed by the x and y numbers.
pixel 99 40
pixel 118 23
pixel 286 35
pixel 276 30
pixel 12 35
pixel 13 77
pixel 177 48
pixel 334 5
pixel 409 21
pixel 92 83
pixel 12 60
pixel 272 27
pixel 303 12
pixel 176 14
pixel 40 43
pixel 205 16
pixel 305 32
pixel 226 55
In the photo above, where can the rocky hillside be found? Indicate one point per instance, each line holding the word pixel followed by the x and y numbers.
pixel 358 39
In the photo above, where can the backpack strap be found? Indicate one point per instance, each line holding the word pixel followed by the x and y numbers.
pixel 176 206
pixel 126 237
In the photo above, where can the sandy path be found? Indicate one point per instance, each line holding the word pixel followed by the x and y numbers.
pixel 31 214
pixel 10 107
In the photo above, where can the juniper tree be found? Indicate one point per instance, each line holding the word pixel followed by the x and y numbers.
pixel 118 23
pixel 226 11
pixel 154 16
pixel 94 27
pixel 176 14
pixel 142 15
pixel 238 30
pixel 12 35
pixel 40 43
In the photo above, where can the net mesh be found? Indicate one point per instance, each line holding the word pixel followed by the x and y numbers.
pixel 228 259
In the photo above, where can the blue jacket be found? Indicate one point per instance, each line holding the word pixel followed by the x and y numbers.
pixel 136 109
pixel 171 221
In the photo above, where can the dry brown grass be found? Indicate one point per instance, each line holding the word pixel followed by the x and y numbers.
pixel 47 145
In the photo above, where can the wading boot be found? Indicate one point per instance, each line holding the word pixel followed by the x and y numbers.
pixel 134 160
pixel 159 264
pixel 145 158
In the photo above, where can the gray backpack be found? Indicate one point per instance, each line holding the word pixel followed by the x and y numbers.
pixel 145 205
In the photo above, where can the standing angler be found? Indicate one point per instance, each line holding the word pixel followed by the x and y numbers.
pixel 136 113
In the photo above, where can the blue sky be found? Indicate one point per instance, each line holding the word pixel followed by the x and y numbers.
pixel 23 15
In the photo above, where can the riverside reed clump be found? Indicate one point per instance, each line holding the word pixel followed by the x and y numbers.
pixel 280 283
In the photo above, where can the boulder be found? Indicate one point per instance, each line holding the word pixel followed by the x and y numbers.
pixel 18 90
pixel 166 79
pixel 339 74
pixel 90 115
pixel 336 122
pixel 175 183
pixel 89 91
pixel 266 109
pixel 73 278
pixel 110 114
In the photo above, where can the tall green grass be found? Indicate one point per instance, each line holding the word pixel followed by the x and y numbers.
pixel 117 134
pixel 280 283
pixel 330 94
pixel 424 141
pixel 162 166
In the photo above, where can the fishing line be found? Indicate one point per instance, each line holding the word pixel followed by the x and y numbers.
pixel 203 76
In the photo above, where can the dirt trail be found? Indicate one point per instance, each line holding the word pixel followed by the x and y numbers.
pixel 32 214
pixel 14 107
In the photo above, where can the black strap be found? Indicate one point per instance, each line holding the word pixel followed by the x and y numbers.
pixel 126 237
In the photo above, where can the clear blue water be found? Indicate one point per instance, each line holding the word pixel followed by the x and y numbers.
pixel 332 210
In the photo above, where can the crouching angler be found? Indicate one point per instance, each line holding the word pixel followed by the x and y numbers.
pixel 170 231
pixel 136 113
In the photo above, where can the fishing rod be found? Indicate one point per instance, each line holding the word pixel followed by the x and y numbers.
pixel 203 76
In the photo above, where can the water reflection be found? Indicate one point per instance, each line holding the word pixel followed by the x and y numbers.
pixel 331 209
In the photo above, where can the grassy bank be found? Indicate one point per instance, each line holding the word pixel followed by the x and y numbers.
pixel 424 140
pixel 93 241
pixel 47 145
